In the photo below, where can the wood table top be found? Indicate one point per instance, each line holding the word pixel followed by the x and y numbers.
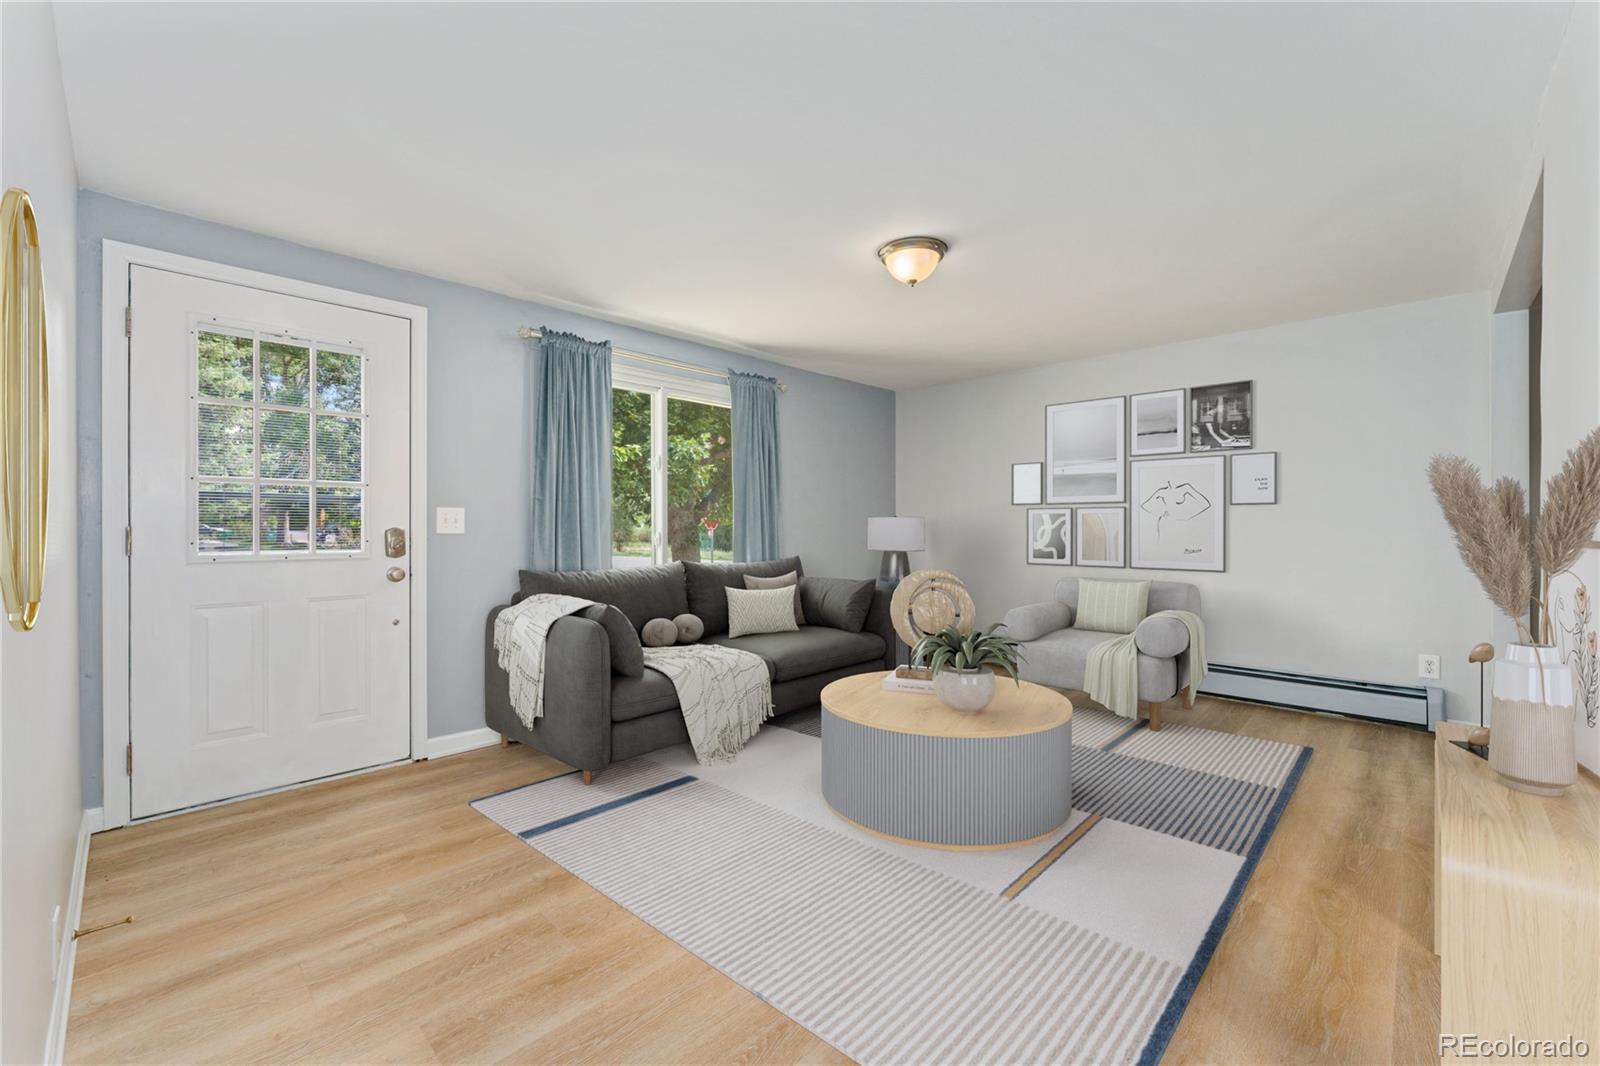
pixel 1016 711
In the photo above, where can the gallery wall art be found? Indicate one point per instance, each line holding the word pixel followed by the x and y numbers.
pixel 1027 483
pixel 1254 478
pixel 1050 536
pixel 1158 422
pixel 1220 417
pixel 1177 514
pixel 1102 536
pixel 1085 451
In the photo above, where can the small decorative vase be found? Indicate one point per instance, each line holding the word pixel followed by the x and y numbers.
pixel 967 691
pixel 1531 742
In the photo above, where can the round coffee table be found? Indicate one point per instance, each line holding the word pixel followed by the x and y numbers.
pixel 905 766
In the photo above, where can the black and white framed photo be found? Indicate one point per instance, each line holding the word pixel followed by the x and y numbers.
pixel 1253 478
pixel 1177 514
pixel 1158 425
pixel 1085 450
pixel 1220 417
pixel 1102 536
pixel 1050 536
pixel 1027 483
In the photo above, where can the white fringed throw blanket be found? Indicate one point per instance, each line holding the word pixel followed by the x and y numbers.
pixel 725 693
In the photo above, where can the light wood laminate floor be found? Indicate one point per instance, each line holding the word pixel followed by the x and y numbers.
pixel 380 919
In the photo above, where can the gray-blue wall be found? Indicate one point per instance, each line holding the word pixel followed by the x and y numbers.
pixel 837 442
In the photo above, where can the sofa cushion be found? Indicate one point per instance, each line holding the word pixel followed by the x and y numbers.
pixel 627 656
pixel 649 693
pixel 837 602
pixel 753 611
pixel 707 586
pixel 753 581
pixel 1058 659
pixel 808 650
pixel 1111 606
pixel 641 593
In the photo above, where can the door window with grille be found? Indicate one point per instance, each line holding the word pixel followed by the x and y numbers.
pixel 279 431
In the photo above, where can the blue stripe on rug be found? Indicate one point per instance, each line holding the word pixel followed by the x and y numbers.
pixel 622 801
pixel 1167 1024
pixel 1120 737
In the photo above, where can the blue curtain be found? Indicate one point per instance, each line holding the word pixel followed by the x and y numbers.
pixel 755 467
pixel 572 454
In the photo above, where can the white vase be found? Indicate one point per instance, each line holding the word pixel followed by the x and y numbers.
pixel 1531 742
pixel 968 691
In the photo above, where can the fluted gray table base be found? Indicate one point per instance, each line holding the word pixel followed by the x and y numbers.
pixel 948 792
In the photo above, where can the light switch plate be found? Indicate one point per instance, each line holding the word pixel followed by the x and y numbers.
pixel 450 519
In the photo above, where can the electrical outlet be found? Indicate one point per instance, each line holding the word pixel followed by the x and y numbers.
pixel 1428 667
pixel 450 519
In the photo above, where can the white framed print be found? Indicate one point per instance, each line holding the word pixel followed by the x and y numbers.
pixel 1050 536
pixel 1085 447
pixel 1102 536
pixel 1158 423
pixel 1178 514
pixel 1027 483
pixel 1254 478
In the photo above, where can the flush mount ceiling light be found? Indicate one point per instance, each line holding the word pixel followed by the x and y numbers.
pixel 912 259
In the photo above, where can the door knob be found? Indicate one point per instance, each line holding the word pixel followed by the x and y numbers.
pixel 394 573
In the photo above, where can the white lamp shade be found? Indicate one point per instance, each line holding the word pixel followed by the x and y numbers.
pixel 895 534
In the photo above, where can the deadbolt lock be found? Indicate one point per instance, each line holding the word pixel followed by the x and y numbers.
pixel 394 542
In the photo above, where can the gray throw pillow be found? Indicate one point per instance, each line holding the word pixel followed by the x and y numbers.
pixel 837 602
pixel 752 581
pixel 660 633
pixel 627 657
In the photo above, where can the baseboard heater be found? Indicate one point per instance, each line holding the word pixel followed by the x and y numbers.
pixel 1418 706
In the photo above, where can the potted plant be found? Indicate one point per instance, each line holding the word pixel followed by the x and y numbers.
pixel 1531 743
pixel 962 664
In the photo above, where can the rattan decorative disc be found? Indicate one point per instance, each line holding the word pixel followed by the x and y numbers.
pixel 928 601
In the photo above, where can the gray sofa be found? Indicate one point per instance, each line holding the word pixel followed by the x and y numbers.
pixel 601 705
pixel 1056 653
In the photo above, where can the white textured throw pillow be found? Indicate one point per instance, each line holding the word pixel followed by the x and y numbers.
pixel 761 611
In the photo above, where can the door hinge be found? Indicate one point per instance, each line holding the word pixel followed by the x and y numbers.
pixel 130 758
pixel 127 321
pixel 127 541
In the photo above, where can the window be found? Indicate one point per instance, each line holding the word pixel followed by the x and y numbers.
pixel 278 431
pixel 671 469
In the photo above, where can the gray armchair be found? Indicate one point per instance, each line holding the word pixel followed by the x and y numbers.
pixel 1055 653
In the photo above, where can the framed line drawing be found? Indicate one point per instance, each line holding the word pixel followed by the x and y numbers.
pixel 1177 514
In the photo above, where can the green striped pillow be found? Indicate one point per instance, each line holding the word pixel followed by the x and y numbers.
pixel 1111 606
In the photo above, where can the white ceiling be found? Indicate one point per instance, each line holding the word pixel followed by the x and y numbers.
pixel 1108 176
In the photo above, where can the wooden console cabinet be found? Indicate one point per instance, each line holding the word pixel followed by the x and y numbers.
pixel 1516 905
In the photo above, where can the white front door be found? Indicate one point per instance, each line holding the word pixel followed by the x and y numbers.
pixel 269 450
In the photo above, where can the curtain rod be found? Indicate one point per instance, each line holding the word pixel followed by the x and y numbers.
pixel 528 333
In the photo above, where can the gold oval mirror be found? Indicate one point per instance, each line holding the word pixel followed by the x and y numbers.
pixel 24 412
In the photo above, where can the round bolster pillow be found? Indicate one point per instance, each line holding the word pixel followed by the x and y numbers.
pixel 659 633
pixel 689 628
pixel 1161 638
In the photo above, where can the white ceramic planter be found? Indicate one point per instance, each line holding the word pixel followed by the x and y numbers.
pixel 968 691
pixel 1531 741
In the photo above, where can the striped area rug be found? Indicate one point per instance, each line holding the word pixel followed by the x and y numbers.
pixel 1084 948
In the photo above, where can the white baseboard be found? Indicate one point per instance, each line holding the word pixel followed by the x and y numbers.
pixel 456 743
pixel 56 1040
